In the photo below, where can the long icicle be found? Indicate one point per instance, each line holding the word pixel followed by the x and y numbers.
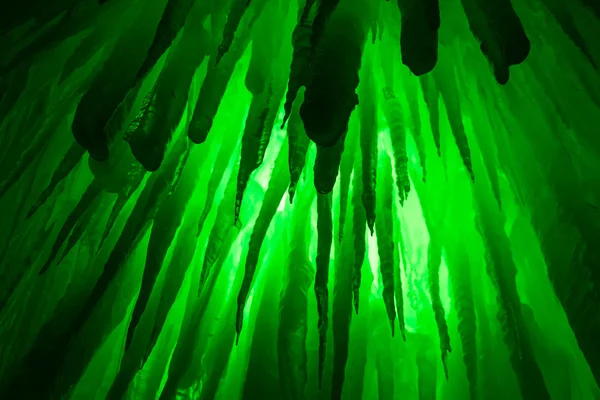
pixel 278 184
pixel 325 240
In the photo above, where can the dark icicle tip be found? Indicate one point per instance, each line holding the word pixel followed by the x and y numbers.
pixel 128 340
pixel 323 129
pixel 322 191
pixel 501 74
pixel 222 50
pixel 99 153
pixel 371 227
pixel 418 60
pixel 198 129
pixel 150 157
pixel 32 210
pixel 332 141
pixel 151 163
pixel 45 268
pixel 422 70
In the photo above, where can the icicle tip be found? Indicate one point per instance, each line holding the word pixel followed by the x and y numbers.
pixel 285 120
pixel 129 339
pixel 45 268
pixel 31 211
pixel 220 53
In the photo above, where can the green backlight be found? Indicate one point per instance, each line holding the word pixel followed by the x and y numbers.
pixel 479 281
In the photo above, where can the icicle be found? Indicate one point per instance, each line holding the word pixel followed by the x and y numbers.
pixel 368 145
pixel 171 22
pixel 183 254
pixel 151 132
pixel 445 80
pixel 431 95
pixel 300 60
pixel 419 36
pixel 135 177
pixel 325 240
pixel 327 166
pixel 234 18
pixel 502 271
pixel 460 279
pixel 330 95
pixel 254 144
pixel 385 236
pixel 83 207
pixel 394 115
pixel 341 314
pixel 359 228
pixel 223 226
pixel 66 166
pixel 434 259
pixel 265 48
pixel 298 146
pixel 226 152
pixel 277 186
pixel 293 309
pixel 213 89
pixel 167 221
pixel 392 110
pixel 346 167
pixel 112 84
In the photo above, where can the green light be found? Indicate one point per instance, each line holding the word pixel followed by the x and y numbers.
pixel 502 203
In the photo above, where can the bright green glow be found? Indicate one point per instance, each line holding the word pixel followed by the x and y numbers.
pixel 547 176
